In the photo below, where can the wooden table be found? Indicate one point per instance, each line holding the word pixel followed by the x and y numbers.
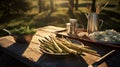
pixel 32 56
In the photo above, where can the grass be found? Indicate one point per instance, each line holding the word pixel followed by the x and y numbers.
pixel 57 18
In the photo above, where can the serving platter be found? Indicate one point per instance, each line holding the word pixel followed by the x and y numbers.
pixel 105 42
pixel 63 46
pixel 105 37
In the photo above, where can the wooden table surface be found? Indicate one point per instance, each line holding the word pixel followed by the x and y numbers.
pixel 32 56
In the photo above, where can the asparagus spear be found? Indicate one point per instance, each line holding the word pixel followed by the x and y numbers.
pixel 64 47
pixel 78 47
pixel 52 45
pixel 47 45
pixel 48 50
pixel 56 45
pixel 45 49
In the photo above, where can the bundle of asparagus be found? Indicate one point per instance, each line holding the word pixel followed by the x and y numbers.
pixel 54 45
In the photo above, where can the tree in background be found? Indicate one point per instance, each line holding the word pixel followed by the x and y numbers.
pixel 4 8
pixel 8 7
pixel 71 5
pixel 42 5
pixel 39 5
pixel 52 5
pixel 76 4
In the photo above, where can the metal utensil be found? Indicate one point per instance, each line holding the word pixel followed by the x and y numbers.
pixel 93 23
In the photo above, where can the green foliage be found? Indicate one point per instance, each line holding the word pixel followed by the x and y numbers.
pixel 23 30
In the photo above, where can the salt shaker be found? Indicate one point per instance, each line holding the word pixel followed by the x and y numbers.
pixel 69 29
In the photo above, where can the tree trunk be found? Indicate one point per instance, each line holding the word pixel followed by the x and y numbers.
pixel 51 5
pixel 71 6
pixel 71 2
pixel 40 6
pixel 93 7
pixel 76 5
pixel 119 5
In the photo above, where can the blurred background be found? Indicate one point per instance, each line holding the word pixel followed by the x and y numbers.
pixel 39 13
